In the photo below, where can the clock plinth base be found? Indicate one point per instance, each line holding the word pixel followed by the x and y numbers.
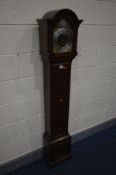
pixel 57 150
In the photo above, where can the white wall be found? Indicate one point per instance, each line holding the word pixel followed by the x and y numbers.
pixel 93 83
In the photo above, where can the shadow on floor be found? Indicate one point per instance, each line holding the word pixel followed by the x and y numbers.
pixel 95 155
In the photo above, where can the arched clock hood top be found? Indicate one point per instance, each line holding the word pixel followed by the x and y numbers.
pixel 62 13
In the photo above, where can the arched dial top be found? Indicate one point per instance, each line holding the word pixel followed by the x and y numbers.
pixel 62 37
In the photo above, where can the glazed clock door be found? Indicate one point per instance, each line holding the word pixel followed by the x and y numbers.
pixel 62 37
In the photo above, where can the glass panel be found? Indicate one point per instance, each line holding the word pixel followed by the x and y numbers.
pixel 63 23
pixel 62 37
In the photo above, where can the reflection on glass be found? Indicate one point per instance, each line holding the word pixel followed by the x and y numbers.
pixel 62 37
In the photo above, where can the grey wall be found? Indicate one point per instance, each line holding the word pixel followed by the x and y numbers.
pixel 93 80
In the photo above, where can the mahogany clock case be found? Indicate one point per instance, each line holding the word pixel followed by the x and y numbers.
pixel 57 51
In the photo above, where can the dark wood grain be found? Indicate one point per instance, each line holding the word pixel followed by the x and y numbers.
pixel 57 72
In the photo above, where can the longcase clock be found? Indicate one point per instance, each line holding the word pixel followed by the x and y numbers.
pixel 58 31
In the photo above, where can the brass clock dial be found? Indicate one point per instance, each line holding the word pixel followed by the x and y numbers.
pixel 62 37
